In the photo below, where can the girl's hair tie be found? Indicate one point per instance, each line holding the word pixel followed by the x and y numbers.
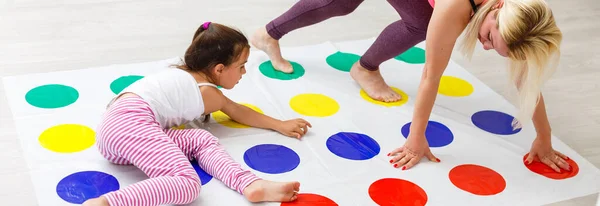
pixel 205 25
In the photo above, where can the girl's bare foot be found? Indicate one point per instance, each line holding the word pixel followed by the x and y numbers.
pixel 269 191
pixel 373 84
pixel 261 40
pixel 99 201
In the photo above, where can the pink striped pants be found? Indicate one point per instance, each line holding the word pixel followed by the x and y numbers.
pixel 129 134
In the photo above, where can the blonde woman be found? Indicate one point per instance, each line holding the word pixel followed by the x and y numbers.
pixel 524 31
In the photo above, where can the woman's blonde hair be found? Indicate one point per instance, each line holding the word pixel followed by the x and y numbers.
pixel 533 39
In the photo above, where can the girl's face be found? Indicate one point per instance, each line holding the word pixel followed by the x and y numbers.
pixel 489 35
pixel 230 75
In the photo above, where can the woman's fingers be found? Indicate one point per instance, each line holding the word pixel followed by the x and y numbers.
pixel 561 155
pixel 397 158
pixel 405 158
pixel 551 164
pixel 411 163
pixel 396 151
pixel 431 157
pixel 562 163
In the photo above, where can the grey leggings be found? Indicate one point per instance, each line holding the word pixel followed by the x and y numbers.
pixel 395 39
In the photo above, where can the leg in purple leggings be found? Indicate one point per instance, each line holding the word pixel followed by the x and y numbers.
pixel 401 35
pixel 393 40
pixel 309 12
pixel 303 13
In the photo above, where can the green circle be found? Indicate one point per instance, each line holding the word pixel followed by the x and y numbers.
pixel 414 55
pixel 52 96
pixel 123 82
pixel 342 61
pixel 267 69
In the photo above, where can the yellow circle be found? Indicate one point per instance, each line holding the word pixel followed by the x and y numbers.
pixel 454 87
pixel 178 127
pixel 67 138
pixel 316 105
pixel 225 120
pixel 402 101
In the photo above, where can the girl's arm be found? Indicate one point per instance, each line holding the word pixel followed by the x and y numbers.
pixel 214 100
pixel 244 115
pixel 448 21
pixel 247 116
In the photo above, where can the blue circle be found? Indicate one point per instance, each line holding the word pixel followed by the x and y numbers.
pixel 81 186
pixel 494 122
pixel 437 134
pixel 204 177
pixel 271 158
pixel 353 146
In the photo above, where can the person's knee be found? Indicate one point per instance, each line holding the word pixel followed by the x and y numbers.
pixel 204 137
pixel 187 183
pixel 349 6
pixel 421 35
pixel 199 140
pixel 418 31
pixel 192 186
pixel 336 7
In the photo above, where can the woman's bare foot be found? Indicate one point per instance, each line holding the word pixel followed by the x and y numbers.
pixel 261 40
pixel 373 84
pixel 269 191
pixel 99 201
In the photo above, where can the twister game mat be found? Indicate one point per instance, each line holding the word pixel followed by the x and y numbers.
pixel 342 160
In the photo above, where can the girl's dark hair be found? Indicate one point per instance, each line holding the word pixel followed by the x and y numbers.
pixel 213 44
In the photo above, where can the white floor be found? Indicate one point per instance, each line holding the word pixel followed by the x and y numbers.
pixel 43 36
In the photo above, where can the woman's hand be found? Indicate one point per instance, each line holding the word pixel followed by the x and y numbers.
pixel 411 153
pixel 294 128
pixel 541 150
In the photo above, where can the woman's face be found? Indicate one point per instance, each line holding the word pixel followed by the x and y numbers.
pixel 489 35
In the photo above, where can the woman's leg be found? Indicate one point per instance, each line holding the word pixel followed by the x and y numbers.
pixel 309 12
pixel 202 146
pixel 303 13
pixel 395 39
pixel 130 134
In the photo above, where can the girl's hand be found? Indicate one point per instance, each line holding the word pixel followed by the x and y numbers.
pixel 294 128
pixel 411 153
pixel 541 150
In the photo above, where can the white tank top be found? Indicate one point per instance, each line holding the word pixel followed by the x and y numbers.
pixel 173 95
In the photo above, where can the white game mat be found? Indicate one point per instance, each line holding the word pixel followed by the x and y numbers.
pixel 343 158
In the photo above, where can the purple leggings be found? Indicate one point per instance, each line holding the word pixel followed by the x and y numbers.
pixel 395 39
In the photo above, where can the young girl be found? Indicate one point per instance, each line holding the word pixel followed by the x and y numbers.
pixel 524 31
pixel 137 127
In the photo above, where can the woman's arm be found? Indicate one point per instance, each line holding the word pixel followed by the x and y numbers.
pixel 541 147
pixel 540 121
pixel 448 21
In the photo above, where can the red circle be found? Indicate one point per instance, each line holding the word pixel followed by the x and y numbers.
pixel 478 180
pixel 545 170
pixel 392 191
pixel 308 199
